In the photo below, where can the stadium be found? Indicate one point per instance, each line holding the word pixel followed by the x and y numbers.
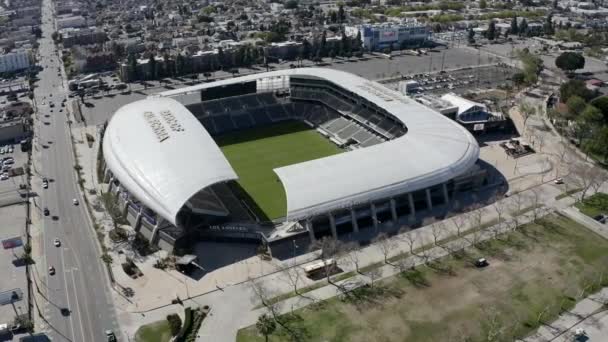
pixel 302 152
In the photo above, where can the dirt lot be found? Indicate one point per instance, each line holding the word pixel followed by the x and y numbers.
pixel 533 275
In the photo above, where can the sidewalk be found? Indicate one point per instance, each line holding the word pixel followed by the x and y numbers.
pixel 589 314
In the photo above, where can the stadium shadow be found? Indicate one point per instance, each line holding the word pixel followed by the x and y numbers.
pixel 268 131
pixel 213 255
pixel 251 203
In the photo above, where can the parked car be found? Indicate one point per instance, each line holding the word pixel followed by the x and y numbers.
pixel 481 262
pixel 601 218
pixel 110 336
pixel 46 211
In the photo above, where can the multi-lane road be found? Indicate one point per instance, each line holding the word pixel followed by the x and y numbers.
pixel 80 283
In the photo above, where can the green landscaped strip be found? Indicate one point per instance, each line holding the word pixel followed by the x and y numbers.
pixel 307 289
pixel 154 332
pixel 535 273
pixel 594 205
pixel 256 152
pixel 567 193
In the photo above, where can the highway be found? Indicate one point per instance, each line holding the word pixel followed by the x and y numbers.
pixel 80 283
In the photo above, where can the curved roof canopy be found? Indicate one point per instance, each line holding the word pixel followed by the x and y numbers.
pixel 435 149
pixel 162 154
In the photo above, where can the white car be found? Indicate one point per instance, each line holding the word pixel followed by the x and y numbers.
pixel 4 176
pixel 75 201
pixel 558 181
pixel 56 242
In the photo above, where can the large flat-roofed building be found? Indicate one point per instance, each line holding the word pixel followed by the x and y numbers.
pixel 15 61
pixel 381 36
pixel 306 151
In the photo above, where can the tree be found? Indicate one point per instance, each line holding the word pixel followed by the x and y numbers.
pixel 601 103
pixel 385 244
pixel 330 249
pixel 266 325
pixel 483 4
pixel 514 28
pixel 519 79
pixel 179 65
pixel 598 143
pixel 576 105
pixel 471 36
pixel 152 67
pixel 587 123
pixel 132 67
pixel 341 15
pixel 532 65
pixel 291 4
pixel 548 25
pixel 574 87
pixel 175 323
pixel 523 27
pixel 491 33
pixel 570 61
pixel 353 249
pixel 587 177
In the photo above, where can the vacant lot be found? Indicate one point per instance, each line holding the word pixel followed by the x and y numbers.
pixel 255 153
pixel 154 332
pixel 533 275
pixel 594 205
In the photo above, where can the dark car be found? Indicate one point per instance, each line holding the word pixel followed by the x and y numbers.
pixel 601 218
pixel 110 336
pixel 46 211
pixel 481 262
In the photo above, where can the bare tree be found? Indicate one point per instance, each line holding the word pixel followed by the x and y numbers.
pixel 516 205
pixel 331 250
pixel 352 252
pixel 410 238
pixel 526 112
pixel 373 275
pixel 500 208
pixel 587 177
pixel 460 222
pixel 263 295
pixel 292 276
pixel 437 230
pixel 536 204
pixel 385 244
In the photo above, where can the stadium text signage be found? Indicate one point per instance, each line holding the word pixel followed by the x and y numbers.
pixel 158 127
pixel 230 228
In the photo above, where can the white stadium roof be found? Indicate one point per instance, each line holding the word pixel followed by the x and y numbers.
pixel 163 159
pixel 435 149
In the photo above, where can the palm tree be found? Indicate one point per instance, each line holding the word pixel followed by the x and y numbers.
pixel 266 325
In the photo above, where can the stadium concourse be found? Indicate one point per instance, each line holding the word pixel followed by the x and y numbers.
pixel 298 153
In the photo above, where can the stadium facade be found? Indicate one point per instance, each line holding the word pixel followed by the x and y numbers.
pixel 173 182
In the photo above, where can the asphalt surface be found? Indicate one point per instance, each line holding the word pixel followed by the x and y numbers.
pixel 80 283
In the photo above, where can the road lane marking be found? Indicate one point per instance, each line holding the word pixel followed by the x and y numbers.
pixel 78 306
pixel 67 297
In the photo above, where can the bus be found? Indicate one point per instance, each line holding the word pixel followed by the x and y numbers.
pixel 318 268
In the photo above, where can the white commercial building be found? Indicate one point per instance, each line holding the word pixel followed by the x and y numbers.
pixel 381 36
pixel 71 21
pixel 14 61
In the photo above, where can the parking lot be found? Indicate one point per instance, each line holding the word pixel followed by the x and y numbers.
pixel 12 266
pixel 459 81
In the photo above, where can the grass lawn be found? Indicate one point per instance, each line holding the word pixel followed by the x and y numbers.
pixel 256 152
pixel 535 272
pixel 594 205
pixel 154 332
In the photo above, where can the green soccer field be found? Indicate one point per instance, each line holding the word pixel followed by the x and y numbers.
pixel 254 153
